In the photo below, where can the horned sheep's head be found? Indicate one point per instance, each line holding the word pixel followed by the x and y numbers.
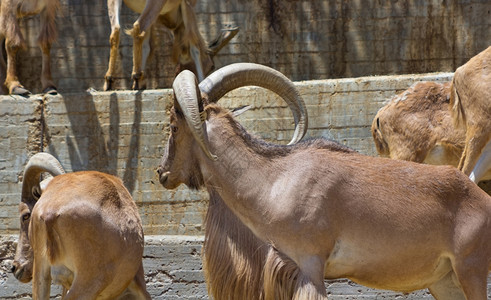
pixel 32 189
pixel 193 102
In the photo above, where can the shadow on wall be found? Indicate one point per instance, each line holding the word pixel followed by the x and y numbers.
pixel 91 146
pixel 304 39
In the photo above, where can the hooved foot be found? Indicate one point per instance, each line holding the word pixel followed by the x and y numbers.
pixel 20 91
pixel 108 83
pixel 138 81
pixel 222 39
pixel 51 90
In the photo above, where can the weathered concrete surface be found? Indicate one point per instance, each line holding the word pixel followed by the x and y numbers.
pixel 123 133
pixel 304 39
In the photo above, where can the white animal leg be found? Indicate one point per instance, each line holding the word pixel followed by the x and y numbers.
pixel 195 54
pixel 146 50
pixel 447 289
pixel 482 165
pixel 113 8
pixel 475 141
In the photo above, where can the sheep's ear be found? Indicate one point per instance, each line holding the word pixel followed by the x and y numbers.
pixel 240 110
pixel 38 190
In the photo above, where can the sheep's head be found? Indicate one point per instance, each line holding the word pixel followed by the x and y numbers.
pixel 188 134
pixel 22 265
pixel 188 139
pixel 178 164
pixel 378 137
pixel 32 189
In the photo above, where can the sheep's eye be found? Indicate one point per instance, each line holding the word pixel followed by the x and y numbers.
pixel 173 128
pixel 26 216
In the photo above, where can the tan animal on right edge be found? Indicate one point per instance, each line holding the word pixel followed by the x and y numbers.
pixel 417 125
pixel 470 102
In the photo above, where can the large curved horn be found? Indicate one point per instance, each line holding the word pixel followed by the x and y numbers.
pixel 238 75
pixel 189 99
pixel 39 163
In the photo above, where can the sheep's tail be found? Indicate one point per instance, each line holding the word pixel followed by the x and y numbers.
pixel 284 280
pixel 52 238
pixel 44 237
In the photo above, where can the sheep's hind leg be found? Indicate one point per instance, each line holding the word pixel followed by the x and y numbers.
pixel 137 287
pixel 472 277
pixel 113 7
pixel 447 289
pixel 46 36
pixel 84 288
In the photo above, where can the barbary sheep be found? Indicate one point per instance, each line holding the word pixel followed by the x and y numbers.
pixel 326 211
pixel 80 229
pixel 10 12
pixel 189 49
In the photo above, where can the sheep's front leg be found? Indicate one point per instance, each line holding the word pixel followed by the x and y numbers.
pixel 13 42
pixel 12 81
pixel 113 9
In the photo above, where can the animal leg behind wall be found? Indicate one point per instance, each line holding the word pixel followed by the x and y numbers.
pixel 482 165
pixel 195 54
pixel 476 140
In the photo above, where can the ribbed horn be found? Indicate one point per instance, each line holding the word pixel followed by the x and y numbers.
pixel 189 99
pixel 37 164
pixel 233 76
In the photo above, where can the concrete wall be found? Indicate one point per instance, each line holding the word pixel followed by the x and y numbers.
pixel 304 39
pixel 123 133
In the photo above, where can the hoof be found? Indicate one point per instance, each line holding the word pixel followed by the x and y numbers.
pixel 138 81
pixel 108 84
pixel 138 85
pixel 50 90
pixel 20 91
pixel 222 39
